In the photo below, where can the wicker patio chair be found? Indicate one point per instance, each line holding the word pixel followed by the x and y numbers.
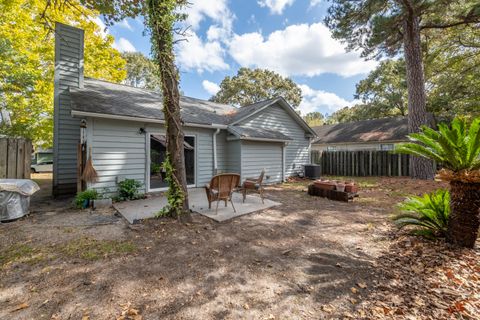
pixel 255 185
pixel 221 187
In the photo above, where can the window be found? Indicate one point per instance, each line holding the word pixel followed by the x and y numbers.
pixel 331 148
pixel 386 147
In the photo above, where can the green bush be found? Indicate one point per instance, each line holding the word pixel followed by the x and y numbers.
pixel 429 213
pixel 128 189
pixel 89 194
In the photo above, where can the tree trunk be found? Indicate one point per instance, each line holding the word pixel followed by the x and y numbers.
pixel 464 219
pixel 161 18
pixel 420 168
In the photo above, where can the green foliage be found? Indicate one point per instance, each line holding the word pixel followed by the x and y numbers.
pixel 155 168
pixel 27 62
pixel 373 25
pixel 253 85
pixel 384 92
pixel 89 194
pixel 175 195
pixel 314 119
pixel 128 189
pixel 428 213
pixel 141 71
pixel 455 147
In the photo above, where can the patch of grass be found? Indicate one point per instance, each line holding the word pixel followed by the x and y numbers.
pixel 22 253
pixel 91 249
pixel 363 182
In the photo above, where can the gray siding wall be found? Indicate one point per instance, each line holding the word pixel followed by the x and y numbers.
pixel 234 156
pixel 119 151
pixel 68 73
pixel 262 155
pixel 222 152
pixel 276 118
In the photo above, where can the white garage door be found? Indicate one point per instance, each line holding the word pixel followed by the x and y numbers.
pixel 262 155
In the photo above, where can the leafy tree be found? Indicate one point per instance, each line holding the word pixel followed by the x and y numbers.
pixel 253 85
pixel 457 149
pixel 380 27
pixel 384 91
pixel 452 66
pixel 141 71
pixel 314 119
pixel 27 63
pixel 161 18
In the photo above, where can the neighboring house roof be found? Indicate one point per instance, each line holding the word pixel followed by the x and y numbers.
pixel 102 98
pixel 247 133
pixel 376 130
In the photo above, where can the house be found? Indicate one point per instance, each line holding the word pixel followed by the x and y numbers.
pixel 376 134
pixel 123 129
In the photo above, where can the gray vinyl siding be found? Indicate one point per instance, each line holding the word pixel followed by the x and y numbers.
pixel 234 149
pixel 119 151
pixel 68 73
pixel 297 152
pixel 262 155
pixel 222 153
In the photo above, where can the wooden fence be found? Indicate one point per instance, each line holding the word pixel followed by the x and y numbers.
pixel 362 163
pixel 15 158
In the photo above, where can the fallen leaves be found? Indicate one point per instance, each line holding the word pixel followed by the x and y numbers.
pixel 129 313
pixel 419 279
pixel 19 307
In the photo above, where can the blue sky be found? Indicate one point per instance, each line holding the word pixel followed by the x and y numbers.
pixel 287 36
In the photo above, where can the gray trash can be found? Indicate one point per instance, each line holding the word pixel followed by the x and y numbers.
pixel 15 197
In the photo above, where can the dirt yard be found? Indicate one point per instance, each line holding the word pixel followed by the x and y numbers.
pixel 310 258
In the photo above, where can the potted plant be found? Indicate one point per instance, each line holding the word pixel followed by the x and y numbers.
pixel 340 187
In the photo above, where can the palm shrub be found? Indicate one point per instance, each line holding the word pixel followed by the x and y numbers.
pixel 457 148
pixel 429 213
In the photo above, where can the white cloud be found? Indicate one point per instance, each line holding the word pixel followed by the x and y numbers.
pixel 195 54
pixel 321 101
pixel 313 3
pixel 211 87
pixel 123 45
pixel 125 24
pixel 298 50
pixel 275 6
pixel 216 10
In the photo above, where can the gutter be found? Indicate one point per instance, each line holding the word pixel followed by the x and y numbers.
pixel 258 139
pixel 76 113
pixel 215 165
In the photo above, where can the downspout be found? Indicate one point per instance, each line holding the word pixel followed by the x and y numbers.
pixel 215 165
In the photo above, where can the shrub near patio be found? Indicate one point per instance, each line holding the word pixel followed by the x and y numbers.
pixel 456 147
pixel 429 213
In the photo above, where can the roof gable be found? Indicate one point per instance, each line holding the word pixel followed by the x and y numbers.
pixel 253 110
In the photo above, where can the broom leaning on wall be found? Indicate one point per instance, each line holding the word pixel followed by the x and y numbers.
pixel 89 172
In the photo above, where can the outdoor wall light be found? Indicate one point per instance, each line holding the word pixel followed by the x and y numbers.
pixel 142 131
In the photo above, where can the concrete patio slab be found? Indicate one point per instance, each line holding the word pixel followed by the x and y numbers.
pixel 137 210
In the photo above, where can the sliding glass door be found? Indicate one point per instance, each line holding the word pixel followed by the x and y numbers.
pixel 158 152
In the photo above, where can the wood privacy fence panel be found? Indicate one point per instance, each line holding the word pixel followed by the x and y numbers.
pixel 15 158
pixel 362 163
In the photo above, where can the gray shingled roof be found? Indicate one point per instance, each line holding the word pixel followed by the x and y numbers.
pixel 247 132
pixel 109 98
pixel 249 109
pixel 376 130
